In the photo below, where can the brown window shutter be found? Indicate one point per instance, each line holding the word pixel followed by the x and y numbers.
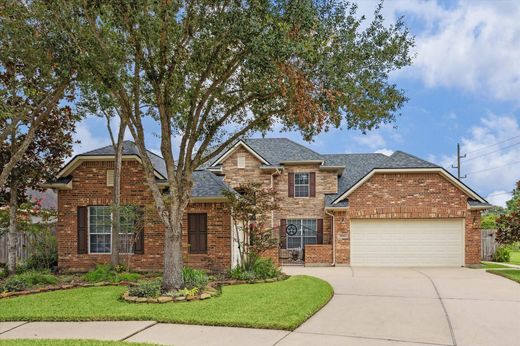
pixel 139 224
pixel 291 185
pixel 319 233
pixel 312 184
pixel 82 225
pixel 198 233
pixel 283 241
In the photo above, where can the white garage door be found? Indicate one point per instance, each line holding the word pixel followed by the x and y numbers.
pixel 409 243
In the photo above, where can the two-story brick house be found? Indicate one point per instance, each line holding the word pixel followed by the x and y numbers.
pixel 337 209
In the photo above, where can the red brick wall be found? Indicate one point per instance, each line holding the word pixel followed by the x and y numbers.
pixel 89 188
pixel 408 195
pixel 318 254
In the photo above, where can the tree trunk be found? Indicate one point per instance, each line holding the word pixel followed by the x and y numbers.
pixel 11 235
pixel 116 203
pixel 173 252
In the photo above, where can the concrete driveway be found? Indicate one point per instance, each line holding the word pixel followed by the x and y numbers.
pixel 401 306
pixel 371 306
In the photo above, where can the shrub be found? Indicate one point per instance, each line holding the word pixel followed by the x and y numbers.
pixel 264 268
pixel 194 278
pixel 44 248
pixel 104 272
pixel 239 273
pixel 15 284
pixel 146 289
pixel 501 254
pixel 33 277
pixel 3 272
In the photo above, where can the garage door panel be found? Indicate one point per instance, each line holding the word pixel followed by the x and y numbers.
pixel 407 242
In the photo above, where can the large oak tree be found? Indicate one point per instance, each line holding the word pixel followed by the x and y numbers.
pixel 211 72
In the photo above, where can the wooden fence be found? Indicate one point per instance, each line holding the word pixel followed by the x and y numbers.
pixel 22 248
pixel 488 243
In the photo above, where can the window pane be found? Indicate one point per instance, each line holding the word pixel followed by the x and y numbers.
pixel 301 178
pixel 100 243
pixel 301 191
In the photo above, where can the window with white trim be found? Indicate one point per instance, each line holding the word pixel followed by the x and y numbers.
pixel 301 184
pixel 100 229
pixel 307 233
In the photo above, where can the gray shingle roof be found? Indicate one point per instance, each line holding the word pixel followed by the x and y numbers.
pixel 359 165
pixel 129 148
pixel 278 150
pixel 207 184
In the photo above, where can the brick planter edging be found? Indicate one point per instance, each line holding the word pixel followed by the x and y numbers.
pixel 62 287
pixel 210 292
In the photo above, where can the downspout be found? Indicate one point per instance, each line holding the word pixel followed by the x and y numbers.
pixel 272 187
pixel 333 240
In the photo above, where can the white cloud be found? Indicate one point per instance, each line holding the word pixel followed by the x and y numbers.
pixel 371 140
pixel 499 197
pixel 493 156
pixel 92 133
pixel 385 151
pixel 470 45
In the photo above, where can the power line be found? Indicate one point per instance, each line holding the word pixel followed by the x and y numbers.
pixel 492 152
pixel 492 145
pixel 495 167
pixel 500 193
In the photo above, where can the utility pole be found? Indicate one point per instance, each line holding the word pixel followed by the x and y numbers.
pixel 459 156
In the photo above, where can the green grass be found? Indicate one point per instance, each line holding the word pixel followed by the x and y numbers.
pixel 512 274
pixel 279 305
pixel 514 257
pixel 489 265
pixel 67 342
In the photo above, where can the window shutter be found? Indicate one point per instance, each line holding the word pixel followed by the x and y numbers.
pixel 291 185
pixel 312 184
pixel 283 241
pixel 82 225
pixel 198 233
pixel 319 233
pixel 139 224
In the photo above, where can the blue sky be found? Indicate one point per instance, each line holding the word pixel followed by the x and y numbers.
pixel 464 86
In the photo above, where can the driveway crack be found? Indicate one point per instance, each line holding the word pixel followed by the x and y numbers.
pixel 443 307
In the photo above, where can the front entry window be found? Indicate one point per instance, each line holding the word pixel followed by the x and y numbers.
pixel 100 229
pixel 307 233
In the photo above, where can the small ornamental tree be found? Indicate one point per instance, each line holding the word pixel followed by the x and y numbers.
pixel 43 158
pixel 251 211
pixel 508 224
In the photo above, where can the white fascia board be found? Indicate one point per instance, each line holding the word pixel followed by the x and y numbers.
pixel 58 186
pixel 443 172
pixel 480 207
pixel 77 160
pixel 233 148
pixel 303 162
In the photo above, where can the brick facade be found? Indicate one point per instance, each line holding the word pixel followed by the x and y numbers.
pixel 89 188
pixel 407 196
pixel 384 196
pixel 318 255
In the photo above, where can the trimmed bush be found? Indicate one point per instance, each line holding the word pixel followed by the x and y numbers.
pixel 264 268
pixel 194 278
pixel 15 284
pixel 146 289
pixel 501 254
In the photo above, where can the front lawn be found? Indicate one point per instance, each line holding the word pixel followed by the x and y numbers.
pixel 67 342
pixel 491 265
pixel 279 305
pixel 514 257
pixel 511 274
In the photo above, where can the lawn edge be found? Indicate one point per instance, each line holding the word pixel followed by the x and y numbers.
pixel 501 274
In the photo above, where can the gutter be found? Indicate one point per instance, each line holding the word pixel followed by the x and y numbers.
pixel 333 240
